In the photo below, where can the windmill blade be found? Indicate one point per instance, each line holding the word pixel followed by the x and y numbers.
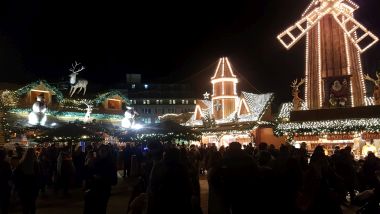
pixel 352 28
pixel 294 33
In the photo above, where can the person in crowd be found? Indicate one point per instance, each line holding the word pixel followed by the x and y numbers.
pixel 170 188
pixel 79 159
pixel 26 177
pixel 102 176
pixel 5 177
pixel 65 171
pixel 236 170
pixel 127 154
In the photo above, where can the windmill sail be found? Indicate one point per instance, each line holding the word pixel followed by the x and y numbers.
pixel 293 34
pixel 352 28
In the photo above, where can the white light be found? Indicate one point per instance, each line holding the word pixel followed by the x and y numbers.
pixel 319 66
pixel 53 124
pixel 225 79
pixel 137 126
pixel 146 86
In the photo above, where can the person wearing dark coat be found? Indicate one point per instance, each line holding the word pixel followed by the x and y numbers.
pixel 103 177
pixel 5 177
pixel 237 177
pixel 26 177
pixel 169 189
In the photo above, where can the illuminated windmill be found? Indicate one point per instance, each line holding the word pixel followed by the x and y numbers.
pixel 224 97
pixel 334 42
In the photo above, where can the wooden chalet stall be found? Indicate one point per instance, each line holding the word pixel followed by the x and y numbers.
pixel 28 94
pixel 228 117
pixel 112 102
pixel 331 127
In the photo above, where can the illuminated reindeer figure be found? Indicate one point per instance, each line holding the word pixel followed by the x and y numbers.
pixel 75 84
pixel 297 101
pixel 87 116
pixel 376 90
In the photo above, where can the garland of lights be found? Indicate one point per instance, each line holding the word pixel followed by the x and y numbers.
pixel 29 87
pixel 102 97
pixel 330 127
pixel 160 137
pixel 25 111
pixel 4 125
pixel 78 105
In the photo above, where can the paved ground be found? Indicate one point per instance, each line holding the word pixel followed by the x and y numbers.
pixel 118 203
pixel 56 204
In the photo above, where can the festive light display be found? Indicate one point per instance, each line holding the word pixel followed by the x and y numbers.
pixel 257 105
pixel 286 108
pixel 66 114
pixel 340 11
pixel 8 98
pixel 103 97
pixel 330 126
pixel 29 87
pixel 129 119
pixel 38 114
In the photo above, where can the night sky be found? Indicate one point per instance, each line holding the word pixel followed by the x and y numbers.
pixel 166 42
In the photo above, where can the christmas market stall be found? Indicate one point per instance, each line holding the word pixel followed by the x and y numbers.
pixel 228 117
pixel 336 109
pixel 40 105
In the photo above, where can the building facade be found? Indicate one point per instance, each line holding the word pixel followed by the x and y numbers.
pixel 153 101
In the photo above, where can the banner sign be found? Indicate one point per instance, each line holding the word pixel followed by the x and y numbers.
pixel 306 138
pixel 369 136
pixel 340 137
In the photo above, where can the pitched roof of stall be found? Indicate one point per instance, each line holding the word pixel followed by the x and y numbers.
pixel 257 104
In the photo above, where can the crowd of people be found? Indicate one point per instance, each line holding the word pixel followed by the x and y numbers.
pixel 249 179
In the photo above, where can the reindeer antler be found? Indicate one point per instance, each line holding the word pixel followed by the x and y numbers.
pixel 74 67
pixel 296 84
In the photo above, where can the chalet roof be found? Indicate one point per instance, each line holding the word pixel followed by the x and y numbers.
pixel 224 69
pixel 257 104
pixel 40 83
pixel 102 97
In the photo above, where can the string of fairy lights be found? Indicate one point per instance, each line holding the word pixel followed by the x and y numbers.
pixel 346 126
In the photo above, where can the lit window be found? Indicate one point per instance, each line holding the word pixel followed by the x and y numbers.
pixel 161 101
pixel 195 102
pixel 174 102
pixel 187 101
pixel 146 86
pixel 144 102
pixel 133 86
pixel 134 101
pixel 157 102
pixel 148 102
pixel 183 102
pixel 170 102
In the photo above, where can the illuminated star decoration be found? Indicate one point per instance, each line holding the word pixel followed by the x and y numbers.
pixel 206 96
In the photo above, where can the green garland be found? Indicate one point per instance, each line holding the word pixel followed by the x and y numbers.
pixel 69 114
pixel 29 87
pixel 329 126
pixel 4 125
pixel 102 97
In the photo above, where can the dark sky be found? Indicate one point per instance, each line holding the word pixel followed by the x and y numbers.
pixel 166 42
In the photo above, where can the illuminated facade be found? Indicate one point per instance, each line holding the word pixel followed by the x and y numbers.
pixel 336 111
pixel 334 42
pixel 229 116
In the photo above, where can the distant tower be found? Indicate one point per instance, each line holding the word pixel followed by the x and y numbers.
pixel 224 96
